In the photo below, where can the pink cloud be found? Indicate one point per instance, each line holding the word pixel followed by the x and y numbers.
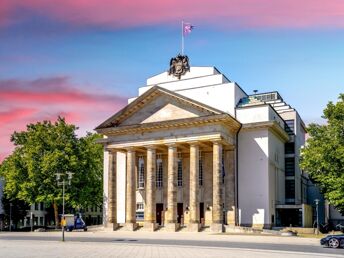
pixel 223 13
pixel 24 102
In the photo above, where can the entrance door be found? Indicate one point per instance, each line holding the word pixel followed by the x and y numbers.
pixel 159 209
pixel 201 212
pixel 179 212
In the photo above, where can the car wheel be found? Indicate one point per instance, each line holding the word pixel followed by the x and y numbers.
pixel 333 243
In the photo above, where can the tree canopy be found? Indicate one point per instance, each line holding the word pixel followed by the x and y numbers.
pixel 47 148
pixel 323 156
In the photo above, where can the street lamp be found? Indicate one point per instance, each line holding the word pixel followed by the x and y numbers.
pixel 10 216
pixel 317 211
pixel 60 176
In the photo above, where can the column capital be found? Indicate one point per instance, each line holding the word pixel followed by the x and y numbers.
pixel 217 142
pixel 172 145
pixel 150 147
pixel 112 151
pixel 194 143
pixel 130 149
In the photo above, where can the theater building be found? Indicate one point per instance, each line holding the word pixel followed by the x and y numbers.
pixel 194 150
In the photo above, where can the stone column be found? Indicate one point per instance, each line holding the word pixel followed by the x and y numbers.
pixel 150 205
pixel 112 201
pixel 130 213
pixel 217 223
pixel 194 223
pixel 171 213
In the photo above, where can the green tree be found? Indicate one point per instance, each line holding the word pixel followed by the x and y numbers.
pixel 45 149
pixel 323 156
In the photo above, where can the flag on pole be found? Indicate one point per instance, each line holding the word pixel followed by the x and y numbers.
pixel 187 28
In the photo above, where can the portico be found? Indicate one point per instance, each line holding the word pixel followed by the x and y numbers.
pixel 179 157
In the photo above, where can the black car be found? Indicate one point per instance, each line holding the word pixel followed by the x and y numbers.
pixel 333 241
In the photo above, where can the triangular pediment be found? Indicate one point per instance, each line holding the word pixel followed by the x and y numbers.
pixel 158 105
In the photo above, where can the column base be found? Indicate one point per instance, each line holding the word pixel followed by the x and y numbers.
pixel 111 226
pixel 217 227
pixel 150 226
pixel 172 227
pixel 130 226
pixel 193 227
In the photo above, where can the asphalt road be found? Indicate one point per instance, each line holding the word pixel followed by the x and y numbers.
pixel 176 242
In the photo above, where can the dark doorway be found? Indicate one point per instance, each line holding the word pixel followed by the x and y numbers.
pixel 159 209
pixel 290 217
pixel 201 212
pixel 179 212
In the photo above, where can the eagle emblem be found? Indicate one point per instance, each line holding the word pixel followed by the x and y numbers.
pixel 179 65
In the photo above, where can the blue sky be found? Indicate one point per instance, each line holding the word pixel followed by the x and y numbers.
pixel 103 57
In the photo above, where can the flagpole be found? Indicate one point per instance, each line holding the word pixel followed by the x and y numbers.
pixel 182 38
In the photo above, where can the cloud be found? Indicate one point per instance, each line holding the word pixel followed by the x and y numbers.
pixel 221 13
pixel 29 101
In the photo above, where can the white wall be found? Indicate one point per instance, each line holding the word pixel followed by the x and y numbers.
pixel 276 172
pixel 203 84
pixel 253 114
pixel 253 189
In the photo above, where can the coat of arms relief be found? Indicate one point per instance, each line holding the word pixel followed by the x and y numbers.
pixel 179 65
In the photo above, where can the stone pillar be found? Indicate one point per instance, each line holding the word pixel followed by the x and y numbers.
pixel 171 213
pixel 150 205
pixel 194 223
pixel 112 201
pixel 130 214
pixel 217 224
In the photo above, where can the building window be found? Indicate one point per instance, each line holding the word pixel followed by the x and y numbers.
pixel 200 167
pixel 41 221
pixel 289 148
pixel 36 206
pixel 290 189
pixel 41 206
pixel 289 166
pixel 141 175
pixel 289 127
pixel 139 206
pixel 159 172
pixel 139 211
pixel 180 170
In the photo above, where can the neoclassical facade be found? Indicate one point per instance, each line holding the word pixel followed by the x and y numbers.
pixel 194 152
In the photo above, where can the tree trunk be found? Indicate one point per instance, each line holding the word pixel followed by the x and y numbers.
pixel 56 213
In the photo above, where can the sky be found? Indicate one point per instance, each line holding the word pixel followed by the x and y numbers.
pixel 82 59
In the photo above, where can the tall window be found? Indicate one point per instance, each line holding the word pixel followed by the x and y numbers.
pixel 141 173
pixel 159 172
pixel 289 127
pixel 180 170
pixel 290 166
pixel 200 166
pixel 290 191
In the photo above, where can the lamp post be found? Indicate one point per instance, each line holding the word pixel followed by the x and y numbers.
pixel 10 216
pixel 317 211
pixel 60 178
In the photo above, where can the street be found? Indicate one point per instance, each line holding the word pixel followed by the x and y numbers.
pixel 158 244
